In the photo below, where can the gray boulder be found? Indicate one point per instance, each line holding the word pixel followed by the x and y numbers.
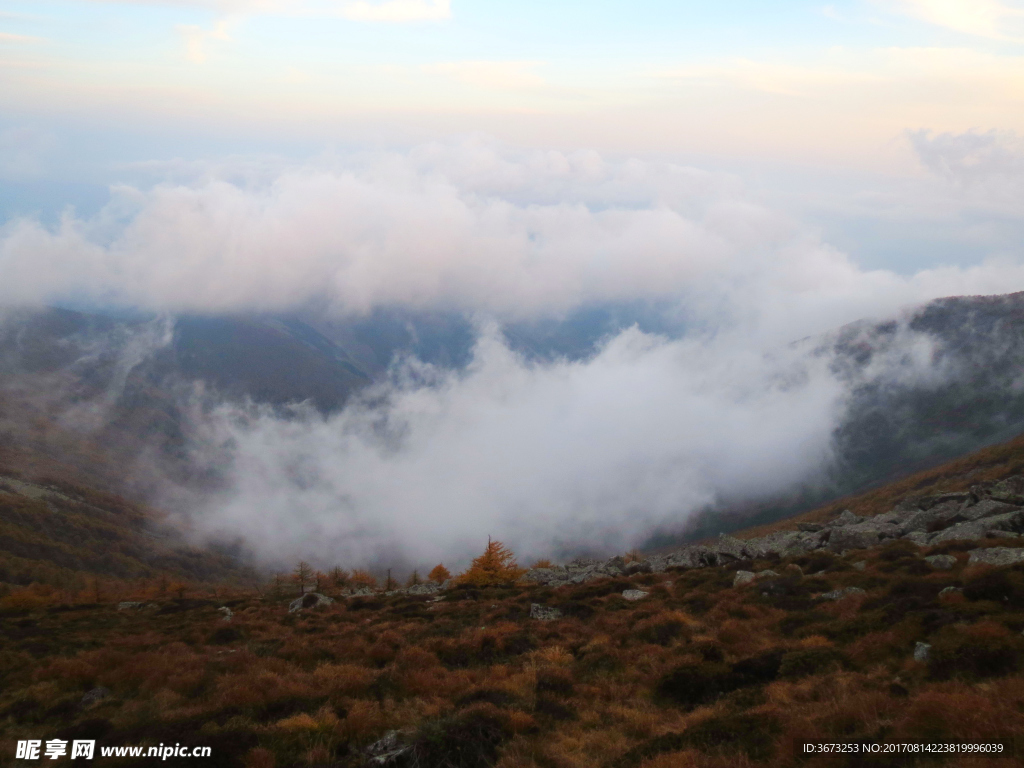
pixel 810 527
pixel 846 517
pixel 545 575
pixel 544 613
pixel 978 529
pixel 128 605
pixel 921 538
pixel 729 547
pixel 389 751
pixel 743 577
pixel 309 601
pixel 634 594
pixel 940 513
pixel 986 508
pixel 947 591
pixel 1010 490
pixel 839 594
pixel 921 652
pixel 228 613
pixel 852 537
pixel 638 566
pixel 995 556
pixel 941 562
pixel 955 497
pixel 861 565
pixel 93 696
pixel 427 588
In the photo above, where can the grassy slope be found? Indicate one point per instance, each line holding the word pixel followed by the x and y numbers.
pixel 992 463
pixel 696 674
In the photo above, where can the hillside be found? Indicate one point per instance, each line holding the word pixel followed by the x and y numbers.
pixel 735 660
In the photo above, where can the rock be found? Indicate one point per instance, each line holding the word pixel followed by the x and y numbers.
pixel 846 517
pixel 427 588
pixel 389 751
pixel 95 695
pixel 810 527
pixel 783 544
pixel 228 613
pixel 729 547
pixel 850 537
pixel 921 652
pixel 634 594
pixel 309 601
pixel 839 594
pixel 941 562
pixel 1002 535
pixel 638 566
pixel 128 605
pixel 947 591
pixel 986 508
pixel 766 573
pixel 1009 490
pixel 979 529
pixel 860 565
pixel 938 514
pixel 542 612
pixel 995 556
pixel 955 497
pixel 920 538
pixel 743 577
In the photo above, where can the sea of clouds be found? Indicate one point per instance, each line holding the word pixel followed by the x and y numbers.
pixel 548 456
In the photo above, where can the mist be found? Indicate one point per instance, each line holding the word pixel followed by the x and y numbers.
pixel 552 456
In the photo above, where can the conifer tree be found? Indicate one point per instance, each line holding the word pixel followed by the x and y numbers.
pixel 497 566
pixel 439 574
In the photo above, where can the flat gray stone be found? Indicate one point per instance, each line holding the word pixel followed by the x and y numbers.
pixel 921 652
pixel 995 556
pixel 986 508
pixel 846 517
pixel 543 613
pixel 634 594
pixel 309 601
pixel 850 537
pixel 941 562
pixel 840 594
pixel 743 577
pixel 947 591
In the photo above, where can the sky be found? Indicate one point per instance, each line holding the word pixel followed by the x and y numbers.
pixel 820 108
pixel 768 171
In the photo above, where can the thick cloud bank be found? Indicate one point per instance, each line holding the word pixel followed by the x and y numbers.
pixel 547 457
pixel 566 454
pixel 468 226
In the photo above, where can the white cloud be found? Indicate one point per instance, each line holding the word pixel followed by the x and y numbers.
pixel 196 38
pixel 394 11
pixel 491 75
pixel 398 11
pixel 983 18
pixel 549 457
pixel 596 452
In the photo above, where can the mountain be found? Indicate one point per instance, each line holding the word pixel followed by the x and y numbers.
pixel 935 382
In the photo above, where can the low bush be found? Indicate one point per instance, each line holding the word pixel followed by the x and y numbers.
pixel 975 652
pixel 810 661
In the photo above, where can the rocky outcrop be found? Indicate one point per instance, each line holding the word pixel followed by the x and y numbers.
pixel 995 556
pixel 544 613
pixel 987 511
pixel 634 594
pixel 309 601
